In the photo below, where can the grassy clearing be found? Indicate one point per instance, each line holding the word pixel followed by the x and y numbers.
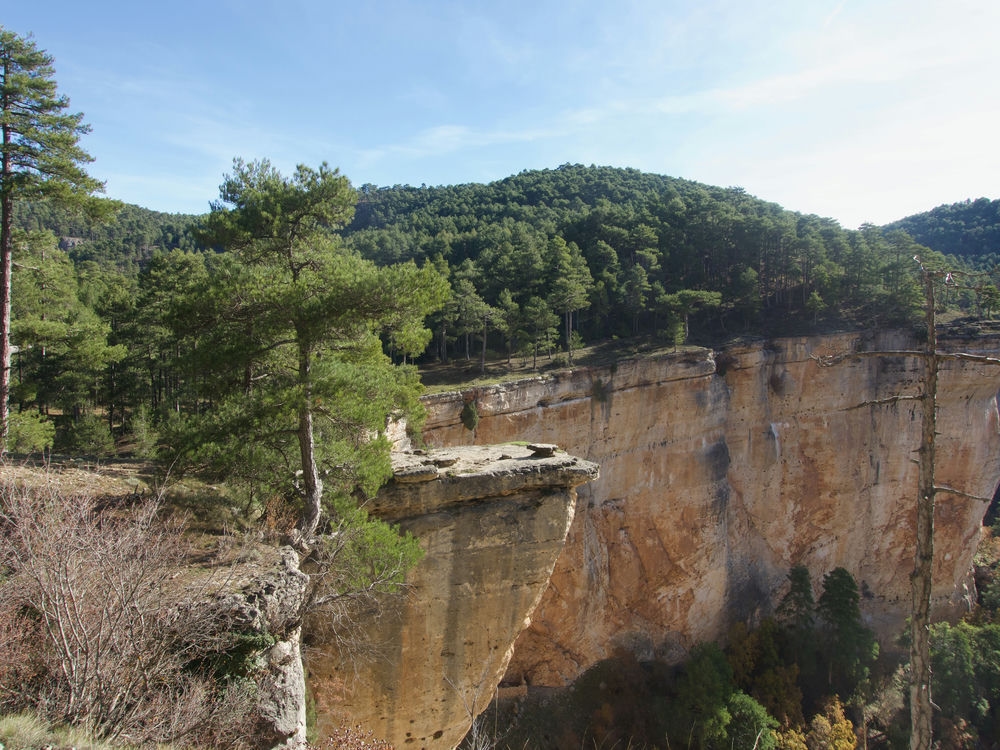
pixel 25 731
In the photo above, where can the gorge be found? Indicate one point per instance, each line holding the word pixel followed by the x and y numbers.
pixel 719 470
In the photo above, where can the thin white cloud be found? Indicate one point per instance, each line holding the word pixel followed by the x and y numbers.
pixel 870 66
pixel 442 140
pixel 832 15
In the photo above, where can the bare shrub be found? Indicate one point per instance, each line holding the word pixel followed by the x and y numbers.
pixel 20 660
pixel 358 574
pixel 94 629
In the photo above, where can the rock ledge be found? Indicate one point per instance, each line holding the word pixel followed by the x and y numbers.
pixel 428 481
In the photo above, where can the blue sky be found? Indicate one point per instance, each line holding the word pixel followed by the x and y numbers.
pixel 857 110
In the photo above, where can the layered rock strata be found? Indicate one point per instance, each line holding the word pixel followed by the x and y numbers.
pixel 719 471
pixel 492 522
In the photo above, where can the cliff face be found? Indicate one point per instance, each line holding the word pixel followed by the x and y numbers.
pixel 721 471
pixel 492 522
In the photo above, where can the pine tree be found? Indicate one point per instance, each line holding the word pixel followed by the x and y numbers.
pixel 39 156
pixel 572 285
pixel 796 613
pixel 63 345
pixel 851 647
pixel 291 322
pixel 540 326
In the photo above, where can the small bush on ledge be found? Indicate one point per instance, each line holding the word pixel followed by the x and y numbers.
pixel 470 416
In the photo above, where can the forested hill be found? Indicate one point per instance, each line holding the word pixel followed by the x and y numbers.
pixel 595 252
pixel 969 229
pixel 125 242
pixel 648 253
pixel 543 199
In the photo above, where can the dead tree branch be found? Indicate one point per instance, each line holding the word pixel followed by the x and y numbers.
pixel 960 493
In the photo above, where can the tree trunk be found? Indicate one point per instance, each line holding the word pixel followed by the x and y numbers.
pixel 482 357
pixel 569 336
pixel 6 272
pixel 312 485
pixel 921 578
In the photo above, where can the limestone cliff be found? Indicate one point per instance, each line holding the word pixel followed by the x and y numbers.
pixel 719 471
pixel 492 522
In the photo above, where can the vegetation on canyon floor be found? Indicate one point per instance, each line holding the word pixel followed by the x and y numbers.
pixel 809 677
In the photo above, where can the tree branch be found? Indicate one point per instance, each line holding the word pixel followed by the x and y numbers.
pixel 966 495
pixel 835 359
pixel 883 401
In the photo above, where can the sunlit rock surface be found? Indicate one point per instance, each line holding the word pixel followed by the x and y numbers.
pixel 492 522
pixel 721 470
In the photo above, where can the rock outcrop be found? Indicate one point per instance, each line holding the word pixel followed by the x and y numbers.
pixel 268 598
pixel 275 606
pixel 492 522
pixel 719 471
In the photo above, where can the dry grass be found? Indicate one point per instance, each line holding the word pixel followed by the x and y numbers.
pixel 25 731
pixel 77 477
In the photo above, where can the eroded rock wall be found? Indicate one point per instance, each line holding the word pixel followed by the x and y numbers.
pixel 492 522
pixel 719 471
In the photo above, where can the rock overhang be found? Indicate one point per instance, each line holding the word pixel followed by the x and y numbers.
pixel 425 481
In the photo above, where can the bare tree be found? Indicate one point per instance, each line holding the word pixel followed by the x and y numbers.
pixel 475 699
pixel 357 575
pixel 115 637
pixel 921 579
